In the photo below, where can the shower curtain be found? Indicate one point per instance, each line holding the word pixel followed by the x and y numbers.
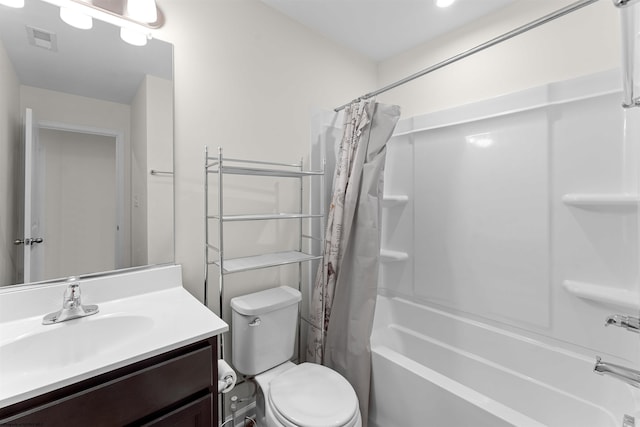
pixel 347 280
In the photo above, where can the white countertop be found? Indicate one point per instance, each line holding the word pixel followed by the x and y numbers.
pixel 142 314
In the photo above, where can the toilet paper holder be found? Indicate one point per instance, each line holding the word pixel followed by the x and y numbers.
pixel 226 377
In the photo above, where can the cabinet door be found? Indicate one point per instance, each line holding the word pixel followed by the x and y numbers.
pixel 132 397
pixel 198 413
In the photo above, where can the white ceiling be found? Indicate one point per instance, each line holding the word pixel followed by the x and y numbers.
pixel 376 28
pixel 380 29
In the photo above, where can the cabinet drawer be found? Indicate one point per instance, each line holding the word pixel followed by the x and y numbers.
pixel 127 398
pixel 195 414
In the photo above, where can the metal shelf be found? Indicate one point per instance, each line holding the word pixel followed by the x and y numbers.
pixel 236 265
pixel 222 166
pixel 260 217
pixel 251 171
pixel 215 254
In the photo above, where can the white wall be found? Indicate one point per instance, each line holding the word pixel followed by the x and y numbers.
pixel 9 160
pixel 138 177
pixel 577 44
pixel 246 79
pixel 160 238
pixel 152 148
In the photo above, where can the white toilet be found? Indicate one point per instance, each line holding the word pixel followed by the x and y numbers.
pixel 288 395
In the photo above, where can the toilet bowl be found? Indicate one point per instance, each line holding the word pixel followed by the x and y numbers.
pixel 288 395
pixel 306 395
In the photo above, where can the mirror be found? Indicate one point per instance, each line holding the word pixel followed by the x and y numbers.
pixel 101 170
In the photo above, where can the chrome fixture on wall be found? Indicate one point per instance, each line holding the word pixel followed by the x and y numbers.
pixel 630 323
pixel 623 3
pixel 28 241
pixel 628 375
pixel 497 40
pixel 72 307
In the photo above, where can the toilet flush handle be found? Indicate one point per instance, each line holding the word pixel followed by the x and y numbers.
pixel 255 322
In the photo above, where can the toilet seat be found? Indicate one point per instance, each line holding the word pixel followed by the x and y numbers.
pixel 310 395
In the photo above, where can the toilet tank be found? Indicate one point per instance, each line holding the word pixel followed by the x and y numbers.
pixel 263 329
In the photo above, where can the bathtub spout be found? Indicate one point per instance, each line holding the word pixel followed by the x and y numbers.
pixel 629 376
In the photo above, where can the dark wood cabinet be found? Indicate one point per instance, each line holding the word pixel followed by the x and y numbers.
pixel 194 414
pixel 177 388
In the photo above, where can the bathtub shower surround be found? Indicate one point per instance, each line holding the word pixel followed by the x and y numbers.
pixel 509 234
pixel 514 381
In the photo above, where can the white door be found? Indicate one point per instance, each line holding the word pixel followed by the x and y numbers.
pixel 79 201
pixel 32 240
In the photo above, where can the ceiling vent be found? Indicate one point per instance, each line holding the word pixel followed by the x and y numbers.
pixel 42 38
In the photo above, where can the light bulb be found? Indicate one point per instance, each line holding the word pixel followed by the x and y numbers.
pixel 12 3
pixel 75 18
pixel 444 3
pixel 133 37
pixel 142 10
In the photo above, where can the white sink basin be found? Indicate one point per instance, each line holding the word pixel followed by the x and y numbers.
pixel 73 341
pixel 142 314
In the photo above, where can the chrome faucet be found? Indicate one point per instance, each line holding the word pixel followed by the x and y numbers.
pixel 628 375
pixel 72 307
pixel 630 323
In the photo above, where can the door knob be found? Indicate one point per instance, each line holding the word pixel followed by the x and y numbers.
pixel 28 241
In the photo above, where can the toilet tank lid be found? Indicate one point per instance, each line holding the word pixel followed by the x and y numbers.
pixel 265 301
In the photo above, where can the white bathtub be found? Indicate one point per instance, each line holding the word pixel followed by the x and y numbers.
pixel 431 368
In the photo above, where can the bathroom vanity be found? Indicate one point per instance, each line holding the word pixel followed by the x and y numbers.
pixel 149 357
pixel 174 388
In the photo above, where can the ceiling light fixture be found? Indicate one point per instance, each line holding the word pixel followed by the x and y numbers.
pixel 12 3
pixel 133 37
pixel 142 10
pixel 76 18
pixel 133 30
pixel 444 3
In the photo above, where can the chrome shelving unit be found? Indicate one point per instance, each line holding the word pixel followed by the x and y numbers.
pixel 215 253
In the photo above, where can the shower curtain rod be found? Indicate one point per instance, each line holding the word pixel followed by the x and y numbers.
pixel 506 36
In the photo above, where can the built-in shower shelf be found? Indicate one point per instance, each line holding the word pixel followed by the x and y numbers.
pixel 602 200
pixel 393 256
pixel 394 200
pixel 604 294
